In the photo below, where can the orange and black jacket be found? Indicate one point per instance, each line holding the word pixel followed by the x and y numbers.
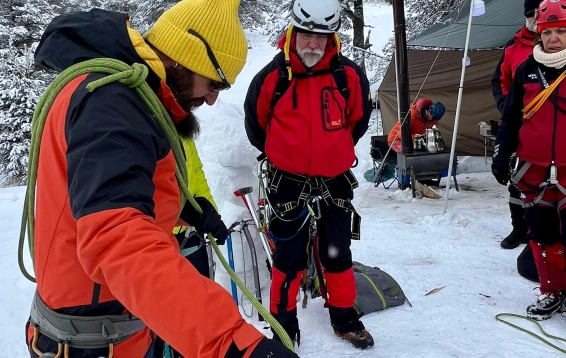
pixel 108 199
pixel 312 129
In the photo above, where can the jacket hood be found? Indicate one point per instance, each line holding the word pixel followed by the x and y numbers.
pixel 525 36
pixel 79 36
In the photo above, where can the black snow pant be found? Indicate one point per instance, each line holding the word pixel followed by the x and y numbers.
pixel 291 232
pixel 517 212
pixel 526 265
pixel 334 229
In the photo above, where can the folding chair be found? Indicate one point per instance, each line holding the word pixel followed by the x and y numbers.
pixel 383 166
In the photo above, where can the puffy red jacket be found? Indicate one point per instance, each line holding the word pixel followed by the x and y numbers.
pixel 312 130
pixel 538 139
pixel 516 52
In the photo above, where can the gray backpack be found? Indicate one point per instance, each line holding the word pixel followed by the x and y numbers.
pixel 376 290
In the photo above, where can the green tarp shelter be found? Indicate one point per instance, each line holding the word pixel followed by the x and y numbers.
pixel 438 72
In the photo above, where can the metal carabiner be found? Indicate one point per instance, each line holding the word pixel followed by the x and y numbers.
pixel 315 200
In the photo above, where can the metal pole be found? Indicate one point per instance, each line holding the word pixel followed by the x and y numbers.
pixel 231 263
pixel 458 108
pixel 402 71
pixel 255 267
pixel 262 236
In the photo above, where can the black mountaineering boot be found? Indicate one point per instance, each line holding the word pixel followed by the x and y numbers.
pixel 546 305
pixel 514 239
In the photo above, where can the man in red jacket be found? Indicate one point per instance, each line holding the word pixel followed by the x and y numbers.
pixel 308 132
pixel 516 52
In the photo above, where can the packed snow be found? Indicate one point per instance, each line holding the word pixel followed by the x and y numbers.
pixel 408 238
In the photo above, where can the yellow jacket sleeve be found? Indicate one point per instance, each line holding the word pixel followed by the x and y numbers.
pixel 198 186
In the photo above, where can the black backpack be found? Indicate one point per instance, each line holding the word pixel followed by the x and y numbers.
pixel 336 69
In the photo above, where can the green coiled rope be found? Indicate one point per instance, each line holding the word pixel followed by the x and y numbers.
pixel 135 78
pixel 498 318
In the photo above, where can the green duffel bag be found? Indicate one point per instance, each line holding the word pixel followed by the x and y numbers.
pixel 376 290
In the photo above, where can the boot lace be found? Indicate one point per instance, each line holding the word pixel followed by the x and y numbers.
pixel 546 299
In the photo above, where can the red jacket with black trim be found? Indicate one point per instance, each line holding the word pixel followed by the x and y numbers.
pixel 312 130
pixel 539 139
pixel 515 53
pixel 107 202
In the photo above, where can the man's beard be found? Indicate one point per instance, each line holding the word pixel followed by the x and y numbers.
pixel 180 81
pixel 310 57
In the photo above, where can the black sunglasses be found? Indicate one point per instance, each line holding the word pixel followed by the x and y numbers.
pixel 217 88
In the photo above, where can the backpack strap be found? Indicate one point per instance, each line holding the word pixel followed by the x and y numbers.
pixel 283 83
pixel 340 76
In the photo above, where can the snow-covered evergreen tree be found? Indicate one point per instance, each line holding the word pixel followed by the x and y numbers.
pixel 419 15
pixel 21 84
pixel 422 14
pixel 147 12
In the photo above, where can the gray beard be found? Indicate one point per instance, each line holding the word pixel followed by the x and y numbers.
pixel 310 59
pixel 531 25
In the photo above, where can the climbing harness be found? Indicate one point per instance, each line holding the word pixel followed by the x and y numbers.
pixel 309 185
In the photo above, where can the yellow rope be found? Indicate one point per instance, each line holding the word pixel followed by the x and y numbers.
pixel 286 50
pixel 534 105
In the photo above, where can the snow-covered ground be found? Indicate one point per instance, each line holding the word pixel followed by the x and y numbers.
pixel 408 238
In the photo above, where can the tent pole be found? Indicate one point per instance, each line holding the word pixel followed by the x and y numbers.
pixel 458 108
pixel 402 75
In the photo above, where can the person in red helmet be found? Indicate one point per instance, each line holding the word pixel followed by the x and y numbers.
pixel 533 122
pixel 516 52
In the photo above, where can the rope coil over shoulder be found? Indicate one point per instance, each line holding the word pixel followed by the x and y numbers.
pixel 135 78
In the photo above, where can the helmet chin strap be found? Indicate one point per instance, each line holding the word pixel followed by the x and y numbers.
pixel 286 50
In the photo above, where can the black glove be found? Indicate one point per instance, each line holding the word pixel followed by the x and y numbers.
pixel 207 222
pixel 500 165
pixel 501 175
pixel 270 348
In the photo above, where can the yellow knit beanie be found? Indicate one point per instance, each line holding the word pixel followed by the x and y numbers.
pixel 217 22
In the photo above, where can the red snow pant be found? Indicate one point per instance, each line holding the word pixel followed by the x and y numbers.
pixel 546 218
pixel 290 258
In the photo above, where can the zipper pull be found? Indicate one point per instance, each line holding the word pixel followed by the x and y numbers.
pixel 553 173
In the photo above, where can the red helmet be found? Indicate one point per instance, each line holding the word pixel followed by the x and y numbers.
pixel 551 13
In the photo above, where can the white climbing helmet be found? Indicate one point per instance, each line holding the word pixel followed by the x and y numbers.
pixel 321 16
